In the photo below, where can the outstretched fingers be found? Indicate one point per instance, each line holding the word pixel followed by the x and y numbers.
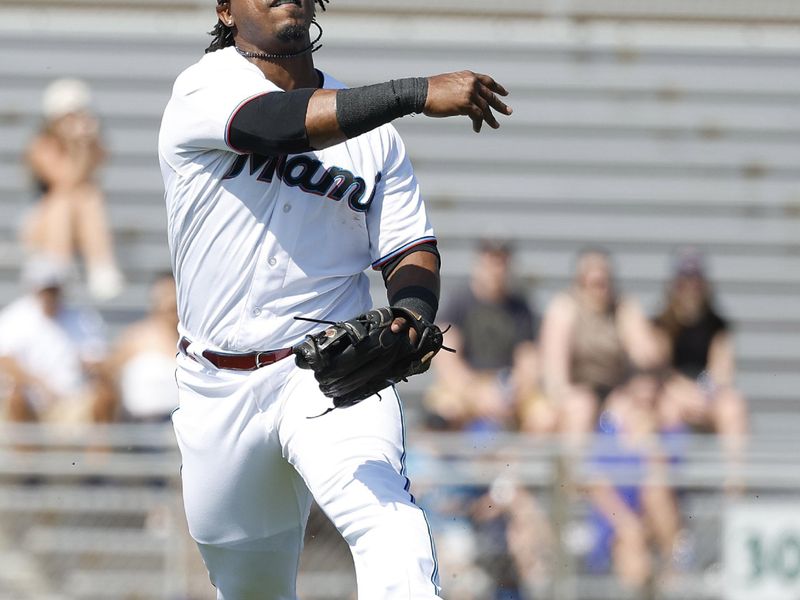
pixel 490 89
pixel 476 115
pixel 467 93
pixel 495 102
pixel 491 84
pixel 486 100
pixel 486 112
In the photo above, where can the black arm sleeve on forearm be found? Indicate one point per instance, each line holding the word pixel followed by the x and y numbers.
pixel 419 298
pixel 359 110
pixel 272 124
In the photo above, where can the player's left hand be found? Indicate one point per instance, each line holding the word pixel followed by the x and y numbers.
pixel 353 360
pixel 400 325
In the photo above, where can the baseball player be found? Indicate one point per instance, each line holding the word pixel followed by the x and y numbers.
pixel 282 188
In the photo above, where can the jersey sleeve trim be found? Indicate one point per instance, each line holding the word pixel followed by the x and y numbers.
pixel 378 264
pixel 242 104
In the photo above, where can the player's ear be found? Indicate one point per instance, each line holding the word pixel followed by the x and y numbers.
pixel 224 13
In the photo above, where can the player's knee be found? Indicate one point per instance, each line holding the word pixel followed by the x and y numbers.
pixel 251 574
pixel 371 494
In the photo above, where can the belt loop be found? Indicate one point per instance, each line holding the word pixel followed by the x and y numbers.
pixel 196 352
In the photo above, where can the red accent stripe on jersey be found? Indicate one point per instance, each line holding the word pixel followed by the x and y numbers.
pixel 423 240
pixel 235 112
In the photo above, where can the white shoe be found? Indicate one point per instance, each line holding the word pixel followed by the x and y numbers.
pixel 105 282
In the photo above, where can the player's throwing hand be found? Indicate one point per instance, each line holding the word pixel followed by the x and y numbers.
pixel 466 93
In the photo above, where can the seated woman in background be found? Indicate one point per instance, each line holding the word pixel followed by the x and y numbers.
pixel 590 339
pixel 696 338
pixel 143 362
pixel 70 217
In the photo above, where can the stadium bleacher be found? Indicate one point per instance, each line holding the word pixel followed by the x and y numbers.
pixel 641 135
pixel 640 126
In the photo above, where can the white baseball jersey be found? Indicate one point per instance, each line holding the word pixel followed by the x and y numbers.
pixel 256 240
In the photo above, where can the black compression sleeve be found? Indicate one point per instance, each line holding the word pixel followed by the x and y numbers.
pixel 362 109
pixel 418 299
pixel 272 124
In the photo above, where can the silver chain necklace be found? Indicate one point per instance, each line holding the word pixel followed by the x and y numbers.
pixel 312 47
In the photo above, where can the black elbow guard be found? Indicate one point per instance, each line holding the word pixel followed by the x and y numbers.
pixel 272 124
pixel 389 267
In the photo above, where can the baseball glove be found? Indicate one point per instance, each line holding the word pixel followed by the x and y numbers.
pixel 355 359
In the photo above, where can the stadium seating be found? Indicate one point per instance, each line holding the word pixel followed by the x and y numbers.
pixel 640 137
pixel 640 126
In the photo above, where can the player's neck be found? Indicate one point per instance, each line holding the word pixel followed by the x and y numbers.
pixel 290 73
pixel 289 66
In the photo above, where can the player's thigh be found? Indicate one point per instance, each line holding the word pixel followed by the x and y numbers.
pixel 236 485
pixel 361 446
pixel 352 461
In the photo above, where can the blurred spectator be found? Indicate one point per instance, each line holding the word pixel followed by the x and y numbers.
pixel 70 217
pixel 514 537
pixel 696 340
pixel 493 374
pixel 633 508
pixel 51 354
pixel 143 361
pixel 491 384
pixel 493 542
pixel 591 337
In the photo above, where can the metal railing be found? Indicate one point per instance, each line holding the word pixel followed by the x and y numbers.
pixel 95 512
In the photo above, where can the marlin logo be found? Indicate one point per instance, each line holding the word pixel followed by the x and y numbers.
pixel 310 176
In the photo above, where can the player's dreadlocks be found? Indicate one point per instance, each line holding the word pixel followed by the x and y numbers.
pixel 223 35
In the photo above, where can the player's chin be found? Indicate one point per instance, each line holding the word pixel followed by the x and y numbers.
pixel 292 31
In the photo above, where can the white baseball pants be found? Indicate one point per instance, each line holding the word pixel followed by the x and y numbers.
pixel 252 460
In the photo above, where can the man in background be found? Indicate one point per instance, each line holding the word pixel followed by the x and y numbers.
pixel 491 384
pixel 142 365
pixel 492 379
pixel 50 353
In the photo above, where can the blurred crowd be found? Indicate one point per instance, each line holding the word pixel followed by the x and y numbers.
pixel 57 363
pixel 612 383
pixel 591 366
